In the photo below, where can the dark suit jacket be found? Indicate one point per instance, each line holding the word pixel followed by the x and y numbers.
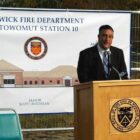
pixel 90 67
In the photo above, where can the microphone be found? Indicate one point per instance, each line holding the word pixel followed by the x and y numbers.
pixel 120 75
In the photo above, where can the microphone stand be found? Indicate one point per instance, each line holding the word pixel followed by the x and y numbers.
pixel 111 67
pixel 119 74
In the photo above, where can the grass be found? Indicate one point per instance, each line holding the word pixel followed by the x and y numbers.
pixel 47 120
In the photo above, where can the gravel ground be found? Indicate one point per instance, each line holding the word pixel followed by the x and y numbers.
pixel 49 135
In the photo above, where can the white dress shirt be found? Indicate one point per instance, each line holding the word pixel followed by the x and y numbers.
pixel 101 51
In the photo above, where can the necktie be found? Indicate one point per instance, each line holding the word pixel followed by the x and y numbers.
pixel 105 63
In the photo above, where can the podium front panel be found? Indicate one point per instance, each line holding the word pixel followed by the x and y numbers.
pixel 107 110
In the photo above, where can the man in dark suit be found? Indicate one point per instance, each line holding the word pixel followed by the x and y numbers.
pixel 91 64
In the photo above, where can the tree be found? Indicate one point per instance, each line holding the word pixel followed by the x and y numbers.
pixel 75 4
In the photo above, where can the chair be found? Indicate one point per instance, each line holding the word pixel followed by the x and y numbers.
pixel 10 128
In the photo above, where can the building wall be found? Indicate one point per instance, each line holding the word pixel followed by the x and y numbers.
pixel 42 81
pixel 28 81
pixel 18 77
pixel 0 80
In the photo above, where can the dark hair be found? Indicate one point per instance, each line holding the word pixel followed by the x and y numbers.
pixel 105 27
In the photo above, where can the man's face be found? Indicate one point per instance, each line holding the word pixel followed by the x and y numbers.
pixel 105 38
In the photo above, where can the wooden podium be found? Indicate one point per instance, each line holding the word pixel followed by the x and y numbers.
pixel 107 110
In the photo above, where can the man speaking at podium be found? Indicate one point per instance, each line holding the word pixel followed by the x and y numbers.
pixel 102 61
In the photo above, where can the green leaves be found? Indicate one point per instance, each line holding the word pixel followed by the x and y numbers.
pixel 74 4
